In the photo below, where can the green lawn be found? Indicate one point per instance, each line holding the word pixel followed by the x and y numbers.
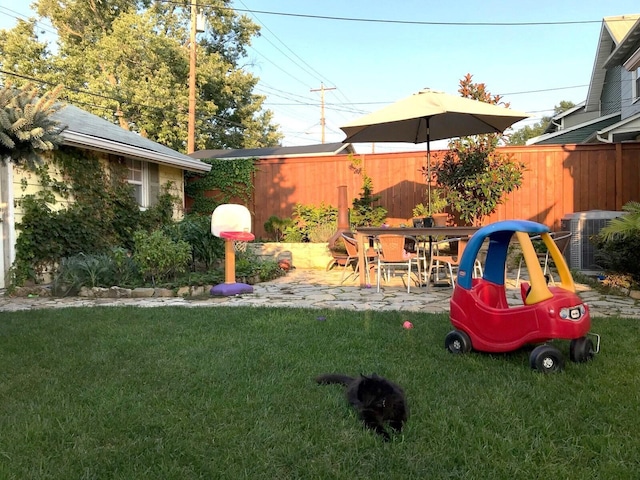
pixel 178 393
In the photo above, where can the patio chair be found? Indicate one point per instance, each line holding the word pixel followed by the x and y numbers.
pixel 392 255
pixel 353 260
pixel 443 259
pixel 561 239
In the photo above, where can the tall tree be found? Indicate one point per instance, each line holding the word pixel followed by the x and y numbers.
pixel 520 137
pixel 128 61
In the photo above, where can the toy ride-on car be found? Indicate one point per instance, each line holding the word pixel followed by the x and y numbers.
pixel 484 321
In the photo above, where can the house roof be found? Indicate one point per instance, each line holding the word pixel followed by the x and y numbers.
pixel 553 124
pixel 613 31
pixel 85 130
pixel 623 131
pixel 582 133
pixel 316 150
pixel 626 46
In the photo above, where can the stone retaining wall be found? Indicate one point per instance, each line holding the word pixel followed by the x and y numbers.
pixel 302 255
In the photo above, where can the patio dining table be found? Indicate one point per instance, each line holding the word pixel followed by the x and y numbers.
pixel 364 233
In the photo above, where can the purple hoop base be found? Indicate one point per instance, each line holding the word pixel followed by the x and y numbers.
pixel 229 289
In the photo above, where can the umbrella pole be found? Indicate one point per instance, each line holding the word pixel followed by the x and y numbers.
pixel 428 168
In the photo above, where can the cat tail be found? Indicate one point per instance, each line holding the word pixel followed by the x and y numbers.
pixel 328 378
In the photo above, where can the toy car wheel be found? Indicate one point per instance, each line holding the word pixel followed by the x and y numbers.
pixel 581 350
pixel 546 359
pixel 457 342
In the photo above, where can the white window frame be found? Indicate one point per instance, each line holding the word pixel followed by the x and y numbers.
pixel 635 85
pixel 143 167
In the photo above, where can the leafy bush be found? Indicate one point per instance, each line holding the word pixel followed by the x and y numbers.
pixel 364 213
pixel 276 227
pixel 627 225
pixel 310 223
pixel 195 229
pixel 476 180
pixel 619 254
pixel 249 266
pixel 321 233
pixel 158 257
pixel 94 270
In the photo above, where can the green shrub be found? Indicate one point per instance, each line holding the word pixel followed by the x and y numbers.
pixel 248 265
pixel 310 223
pixel 206 248
pixel 159 258
pixel 364 213
pixel 321 233
pixel 115 268
pixel 619 254
pixel 276 227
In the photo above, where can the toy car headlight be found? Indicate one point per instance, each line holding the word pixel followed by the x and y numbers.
pixel 573 313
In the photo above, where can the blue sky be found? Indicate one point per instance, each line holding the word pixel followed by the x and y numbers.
pixel 372 64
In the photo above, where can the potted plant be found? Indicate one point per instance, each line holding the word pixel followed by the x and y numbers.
pixel 433 212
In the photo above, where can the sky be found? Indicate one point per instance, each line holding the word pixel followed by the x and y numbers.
pixel 370 53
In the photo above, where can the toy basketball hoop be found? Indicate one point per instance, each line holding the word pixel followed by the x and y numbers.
pixel 232 223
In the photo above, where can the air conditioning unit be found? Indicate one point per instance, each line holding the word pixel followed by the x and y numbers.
pixel 580 252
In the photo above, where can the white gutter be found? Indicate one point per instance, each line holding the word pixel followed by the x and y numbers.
pixel 606 134
pixel 81 140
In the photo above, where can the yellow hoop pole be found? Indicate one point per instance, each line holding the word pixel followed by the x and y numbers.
pixel 229 262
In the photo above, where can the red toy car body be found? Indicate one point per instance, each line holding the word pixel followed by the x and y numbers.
pixel 484 321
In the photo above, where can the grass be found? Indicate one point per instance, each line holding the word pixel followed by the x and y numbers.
pixel 217 393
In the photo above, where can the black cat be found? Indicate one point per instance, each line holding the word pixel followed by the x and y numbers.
pixel 377 400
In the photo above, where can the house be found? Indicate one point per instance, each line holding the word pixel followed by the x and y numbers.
pixel 150 165
pixel 316 150
pixel 611 111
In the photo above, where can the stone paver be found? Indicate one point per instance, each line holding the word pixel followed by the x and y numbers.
pixel 322 290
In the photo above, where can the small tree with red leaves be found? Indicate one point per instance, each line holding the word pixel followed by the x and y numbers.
pixel 474 176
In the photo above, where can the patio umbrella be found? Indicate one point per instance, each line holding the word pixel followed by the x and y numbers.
pixel 430 115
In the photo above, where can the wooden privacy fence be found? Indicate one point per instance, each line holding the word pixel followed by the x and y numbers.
pixel 559 179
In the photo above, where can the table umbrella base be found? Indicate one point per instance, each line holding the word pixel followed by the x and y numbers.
pixel 230 289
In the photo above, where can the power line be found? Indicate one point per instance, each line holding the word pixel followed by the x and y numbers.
pixel 19 16
pixel 305 63
pixel 420 22
pixel 400 22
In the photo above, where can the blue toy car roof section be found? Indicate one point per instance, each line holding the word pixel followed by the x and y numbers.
pixel 500 233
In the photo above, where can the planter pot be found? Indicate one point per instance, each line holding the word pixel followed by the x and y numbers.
pixel 440 219
pixel 302 255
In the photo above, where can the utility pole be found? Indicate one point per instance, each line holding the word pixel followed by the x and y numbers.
pixel 322 89
pixel 191 132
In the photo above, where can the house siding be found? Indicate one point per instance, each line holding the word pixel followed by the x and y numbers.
pixel 611 91
pixel 628 107
pixel 176 177
pixel 26 182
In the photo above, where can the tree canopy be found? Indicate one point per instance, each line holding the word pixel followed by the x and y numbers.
pixel 128 62
pixel 520 137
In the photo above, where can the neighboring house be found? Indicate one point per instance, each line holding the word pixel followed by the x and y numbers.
pixel 150 165
pixel 317 150
pixel 611 112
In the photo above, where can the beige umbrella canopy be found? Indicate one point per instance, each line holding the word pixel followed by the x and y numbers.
pixel 430 115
